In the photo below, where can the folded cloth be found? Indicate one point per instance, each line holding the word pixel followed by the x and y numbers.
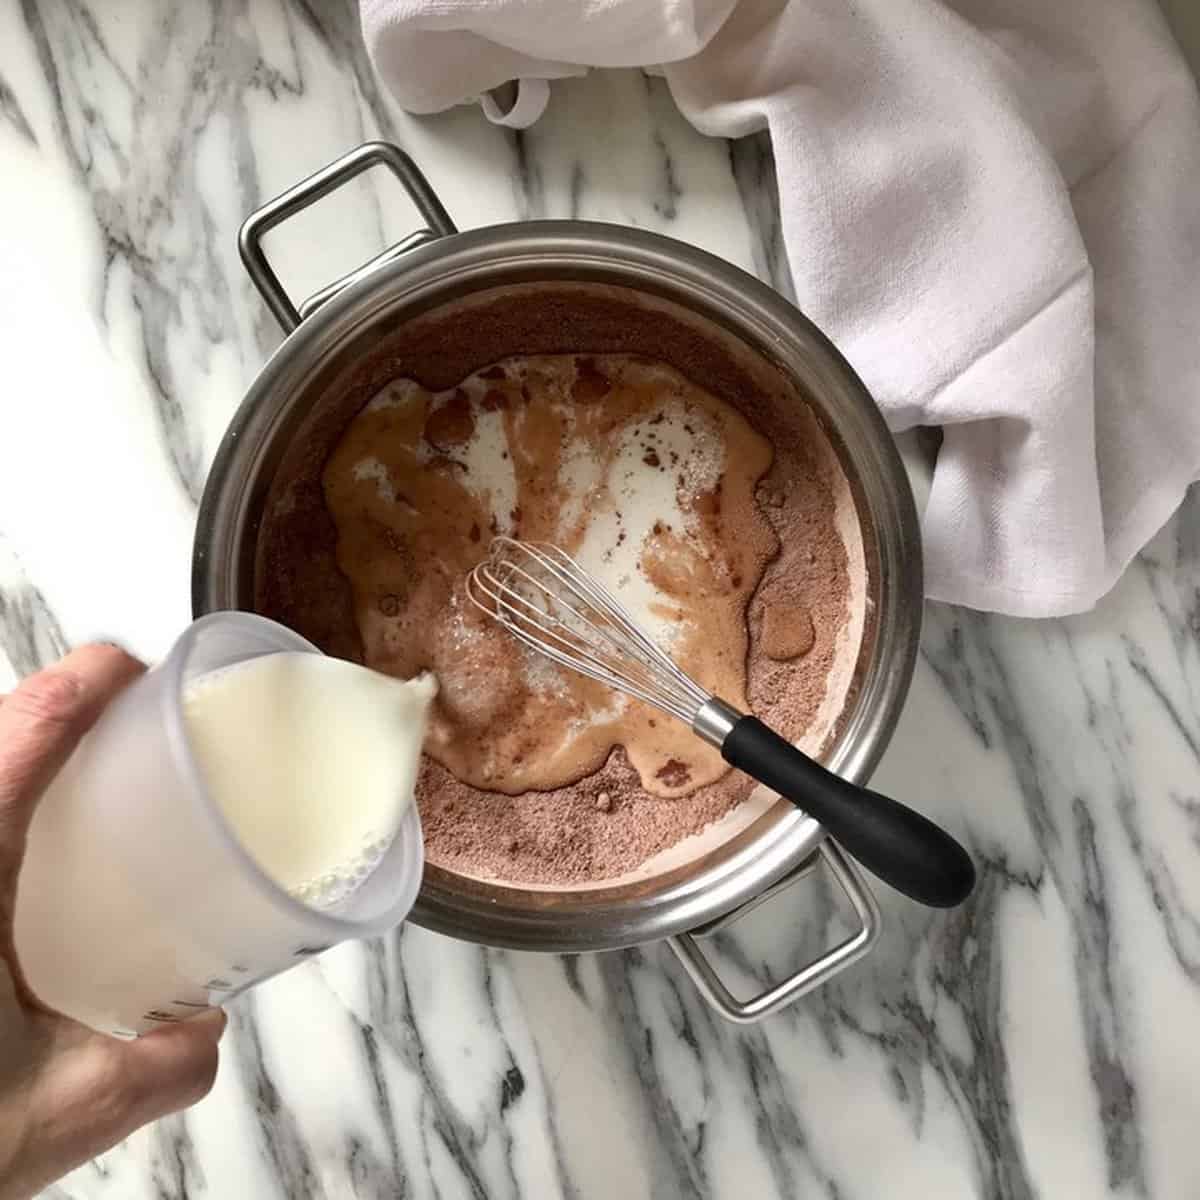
pixel 990 206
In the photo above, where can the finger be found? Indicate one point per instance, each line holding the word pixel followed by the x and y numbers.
pixel 96 1091
pixel 41 722
pixel 175 1066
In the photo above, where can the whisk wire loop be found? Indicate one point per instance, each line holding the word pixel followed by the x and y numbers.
pixel 546 600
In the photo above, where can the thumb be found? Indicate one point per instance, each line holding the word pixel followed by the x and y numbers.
pixel 95 1090
pixel 173 1067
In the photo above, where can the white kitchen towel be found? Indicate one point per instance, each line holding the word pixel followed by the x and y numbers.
pixel 991 206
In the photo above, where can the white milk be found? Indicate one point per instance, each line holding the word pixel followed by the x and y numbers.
pixel 312 761
pixel 133 908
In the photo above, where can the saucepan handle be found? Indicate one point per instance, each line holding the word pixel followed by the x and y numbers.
pixel 306 192
pixel 813 975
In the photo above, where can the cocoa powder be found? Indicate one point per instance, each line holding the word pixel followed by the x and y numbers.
pixel 567 835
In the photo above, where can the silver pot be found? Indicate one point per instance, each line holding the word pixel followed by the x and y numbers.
pixel 438 264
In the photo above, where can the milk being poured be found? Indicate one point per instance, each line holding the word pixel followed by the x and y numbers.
pixel 312 762
pixel 138 905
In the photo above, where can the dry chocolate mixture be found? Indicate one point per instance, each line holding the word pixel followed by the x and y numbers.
pixel 363 511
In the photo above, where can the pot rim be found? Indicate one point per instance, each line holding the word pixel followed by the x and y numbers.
pixel 452 266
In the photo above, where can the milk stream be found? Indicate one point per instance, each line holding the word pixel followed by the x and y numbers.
pixel 310 761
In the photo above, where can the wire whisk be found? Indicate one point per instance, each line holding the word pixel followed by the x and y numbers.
pixel 545 599
pixel 548 601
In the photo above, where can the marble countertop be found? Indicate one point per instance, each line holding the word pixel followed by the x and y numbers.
pixel 1040 1042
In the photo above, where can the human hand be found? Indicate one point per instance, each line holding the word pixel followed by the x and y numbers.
pixel 67 1093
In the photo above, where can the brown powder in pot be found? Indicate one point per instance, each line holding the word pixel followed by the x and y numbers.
pixel 565 836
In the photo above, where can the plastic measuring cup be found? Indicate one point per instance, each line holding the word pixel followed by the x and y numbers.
pixel 136 903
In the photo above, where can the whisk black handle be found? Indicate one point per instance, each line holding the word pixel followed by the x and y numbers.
pixel 892 841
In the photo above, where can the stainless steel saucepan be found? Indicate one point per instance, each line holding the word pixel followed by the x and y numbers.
pixel 438 266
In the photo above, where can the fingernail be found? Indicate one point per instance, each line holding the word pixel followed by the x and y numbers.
pixel 215 1017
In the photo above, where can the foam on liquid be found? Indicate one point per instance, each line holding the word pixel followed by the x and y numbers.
pixel 312 762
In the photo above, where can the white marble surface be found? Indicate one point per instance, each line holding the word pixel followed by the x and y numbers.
pixel 1041 1042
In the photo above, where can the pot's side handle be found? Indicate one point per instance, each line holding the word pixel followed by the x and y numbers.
pixel 813 975
pixel 309 190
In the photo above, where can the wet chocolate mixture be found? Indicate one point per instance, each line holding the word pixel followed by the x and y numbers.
pixel 645 478
pixel 710 513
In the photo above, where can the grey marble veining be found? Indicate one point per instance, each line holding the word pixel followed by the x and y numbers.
pixel 1038 1043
